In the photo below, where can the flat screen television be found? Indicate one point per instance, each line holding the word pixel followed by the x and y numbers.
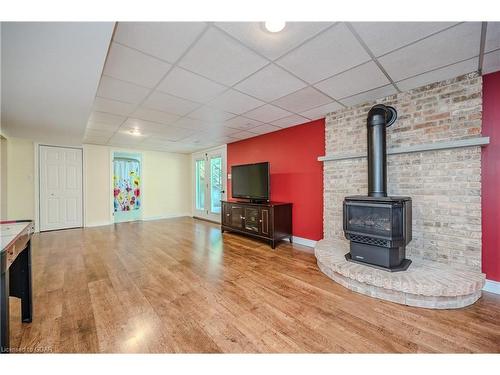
pixel 250 181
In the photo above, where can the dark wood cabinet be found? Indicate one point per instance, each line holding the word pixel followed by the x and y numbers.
pixel 270 221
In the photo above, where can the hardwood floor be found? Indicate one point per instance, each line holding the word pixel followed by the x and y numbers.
pixel 176 286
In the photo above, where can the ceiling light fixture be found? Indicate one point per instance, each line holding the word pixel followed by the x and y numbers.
pixel 135 132
pixel 274 26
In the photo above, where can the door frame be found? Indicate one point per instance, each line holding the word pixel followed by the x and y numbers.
pixel 36 180
pixel 196 156
pixel 112 153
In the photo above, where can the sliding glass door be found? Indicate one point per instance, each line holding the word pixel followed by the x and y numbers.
pixel 210 183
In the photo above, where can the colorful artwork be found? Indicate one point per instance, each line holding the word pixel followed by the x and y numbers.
pixel 126 184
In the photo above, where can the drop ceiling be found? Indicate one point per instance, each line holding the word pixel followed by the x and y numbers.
pixel 49 76
pixel 187 86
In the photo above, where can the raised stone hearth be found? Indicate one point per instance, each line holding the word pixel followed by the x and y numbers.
pixel 426 283
pixel 436 161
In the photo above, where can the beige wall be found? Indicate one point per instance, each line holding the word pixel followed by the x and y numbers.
pixel 166 184
pixel 20 183
pixel 96 185
pixel 3 178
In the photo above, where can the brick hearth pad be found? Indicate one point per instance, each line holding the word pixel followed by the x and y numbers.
pixel 426 283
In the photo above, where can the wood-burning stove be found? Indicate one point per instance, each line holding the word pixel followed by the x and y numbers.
pixel 379 227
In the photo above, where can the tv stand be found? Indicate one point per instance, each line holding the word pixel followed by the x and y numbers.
pixel 268 221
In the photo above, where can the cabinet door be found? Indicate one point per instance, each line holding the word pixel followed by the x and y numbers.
pixel 237 217
pixel 252 217
pixel 264 221
pixel 226 214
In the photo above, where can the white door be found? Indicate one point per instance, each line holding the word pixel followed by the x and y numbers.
pixel 60 188
pixel 210 183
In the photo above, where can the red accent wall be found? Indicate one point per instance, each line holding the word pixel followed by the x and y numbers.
pixel 490 170
pixel 296 173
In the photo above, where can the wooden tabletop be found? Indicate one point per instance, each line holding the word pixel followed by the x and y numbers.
pixel 10 231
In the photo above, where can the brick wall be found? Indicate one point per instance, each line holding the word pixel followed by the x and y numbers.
pixel 445 185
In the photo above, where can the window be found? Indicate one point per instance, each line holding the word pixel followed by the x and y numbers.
pixel 200 184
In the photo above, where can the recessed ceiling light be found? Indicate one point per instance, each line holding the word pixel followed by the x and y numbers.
pixel 135 132
pixel 274 26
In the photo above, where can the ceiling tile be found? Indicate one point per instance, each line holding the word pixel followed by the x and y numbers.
pixel 290 121
pixel 124 139
pixel 270 83
pixel 155 116
pixel 112 106
pixel 195 124
pixel 242 123
pixel 303 100
pixel 157 143
pixel 189 123
pixel 168 103
pixel 94 133
pixel 95 140
pixel 321 111
pixel 437 75
pixel 112 88
pixel 133 66
pixel 172 133
pixel 129 133
pixel 235 102
pixel 102 126
pixel 448 47
pixel 229 131
pixel 267 113
pixel 183 148
pixel 362 78
pixel 222 59
pixel 491 62
pixel 243 135
pixel 166 40
pixel 221 131
pixel 199 138
pixel 492 36
pixel 378 93
pixel 329 53
pixel 210 114
pixel 266 128
pixel 180 82
pixel 143 126
pixel 107 118
pixel 383 37
pixel 164 145
pixel 222 139
pixel 272 45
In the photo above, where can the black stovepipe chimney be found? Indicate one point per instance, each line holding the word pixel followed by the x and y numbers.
pixel 379 118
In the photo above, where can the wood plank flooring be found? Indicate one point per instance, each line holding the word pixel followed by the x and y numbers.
pixel 178 285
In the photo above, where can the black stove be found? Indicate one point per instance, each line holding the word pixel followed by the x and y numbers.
pixel 379 227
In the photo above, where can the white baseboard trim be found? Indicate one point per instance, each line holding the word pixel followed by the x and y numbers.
pixel 305 242
pixel 98 224
pixel 149 218
pixel 492 286
pixel 168 216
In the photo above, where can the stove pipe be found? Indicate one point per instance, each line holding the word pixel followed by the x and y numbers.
pixel 379 118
